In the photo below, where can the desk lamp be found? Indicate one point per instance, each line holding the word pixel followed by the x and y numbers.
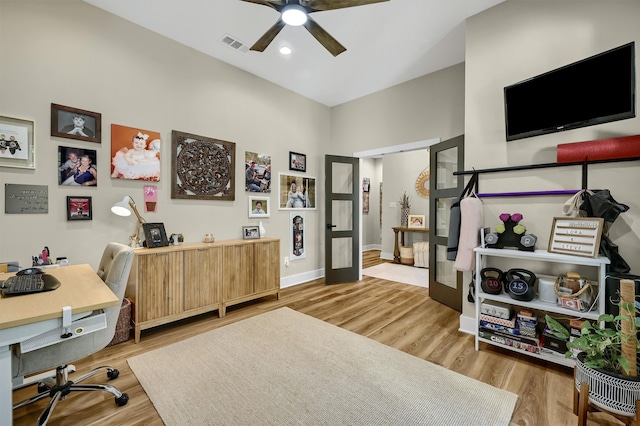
pixel 124 208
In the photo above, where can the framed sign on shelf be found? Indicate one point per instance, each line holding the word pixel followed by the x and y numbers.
pixel 16 143
pixel 577 236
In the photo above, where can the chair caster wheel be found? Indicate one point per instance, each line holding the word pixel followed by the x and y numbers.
pixel 113 374
pixel 122 400
pixel 42 388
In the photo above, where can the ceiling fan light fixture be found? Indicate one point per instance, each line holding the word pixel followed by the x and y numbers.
pixel 294 15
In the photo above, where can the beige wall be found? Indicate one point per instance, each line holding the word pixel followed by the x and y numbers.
pixel 520 39
pixel 71 53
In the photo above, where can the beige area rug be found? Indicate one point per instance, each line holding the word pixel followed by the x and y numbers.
pixel 399 273
pixel 287 368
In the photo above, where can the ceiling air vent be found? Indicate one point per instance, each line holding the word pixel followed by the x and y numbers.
pixel 234 43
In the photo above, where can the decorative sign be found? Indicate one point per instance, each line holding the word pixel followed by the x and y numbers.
pixel 25 199
pixel 578 236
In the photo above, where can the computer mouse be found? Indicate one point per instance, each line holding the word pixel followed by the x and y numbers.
pixel 30 271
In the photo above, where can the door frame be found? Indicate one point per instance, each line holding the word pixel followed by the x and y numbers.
pixel 379 152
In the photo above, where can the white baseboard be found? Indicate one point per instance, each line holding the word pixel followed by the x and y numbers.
pixel 372 247
pixel 468 325
pixel 387 256
pixel 292 280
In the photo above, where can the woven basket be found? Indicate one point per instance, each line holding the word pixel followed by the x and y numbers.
pixel 614 393
pixel 406 255
pixel 123 327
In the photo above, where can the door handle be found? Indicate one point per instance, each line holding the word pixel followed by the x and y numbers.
pixel 329 226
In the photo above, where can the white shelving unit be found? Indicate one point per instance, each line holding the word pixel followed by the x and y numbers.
pixel 482 256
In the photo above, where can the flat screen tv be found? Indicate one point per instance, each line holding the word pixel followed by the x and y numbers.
pixel 595 90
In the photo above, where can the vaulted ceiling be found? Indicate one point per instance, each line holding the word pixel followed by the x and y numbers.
pixel 387 43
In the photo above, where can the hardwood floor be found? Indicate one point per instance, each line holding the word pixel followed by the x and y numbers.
pixel 398 315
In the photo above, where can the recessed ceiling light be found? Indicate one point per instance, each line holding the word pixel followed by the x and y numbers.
pixel 285 50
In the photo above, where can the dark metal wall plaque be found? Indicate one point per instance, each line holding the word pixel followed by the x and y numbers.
pixel 26 199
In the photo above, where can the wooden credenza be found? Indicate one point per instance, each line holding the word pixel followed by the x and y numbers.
pixel 167 284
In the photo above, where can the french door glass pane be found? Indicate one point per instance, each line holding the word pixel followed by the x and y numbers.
pixel 341 255
pixel 447 163
pixel 342 215
pixel 445 270
pixel 344 184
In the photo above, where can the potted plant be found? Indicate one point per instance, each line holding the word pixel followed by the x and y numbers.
pixel 606 348
pixel 404 209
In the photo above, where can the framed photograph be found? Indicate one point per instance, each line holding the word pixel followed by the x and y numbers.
pixel 297 162
pixel 79 208
pixel 77 167
pixel 202 168
pixel 366 183
pixel 416 221
pixel 259 207
pixel 135 153
pixel 296 192
pixel 155 235
pixel 577 236
pixel 16 143
pixel 250 232
pixel 74 123
pixel 296 235
pixel 258 172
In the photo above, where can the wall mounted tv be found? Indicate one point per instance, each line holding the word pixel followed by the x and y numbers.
pixel 595 90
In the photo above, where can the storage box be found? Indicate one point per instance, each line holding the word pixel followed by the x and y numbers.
pixel 123 327
pixel 553 343
pixel 496 309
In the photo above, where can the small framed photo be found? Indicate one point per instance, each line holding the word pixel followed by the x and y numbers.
pixel 416 221
pixel 577 236
pixel 250 232
pixel 74 123
pixel 259 207
pixel 297 161
pixel 79 208
pixel 16 143
pixel 155 235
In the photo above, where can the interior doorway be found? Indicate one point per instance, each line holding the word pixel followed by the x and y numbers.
pixel 390 193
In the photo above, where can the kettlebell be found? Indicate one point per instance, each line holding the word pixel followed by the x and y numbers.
pixel 492 280
pixel 521 284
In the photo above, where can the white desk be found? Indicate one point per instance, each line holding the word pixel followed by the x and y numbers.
pixel 22 317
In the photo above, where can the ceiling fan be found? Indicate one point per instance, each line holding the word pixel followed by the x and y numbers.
pixel 296 12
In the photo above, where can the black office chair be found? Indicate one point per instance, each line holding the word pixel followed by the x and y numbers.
pixel 114 271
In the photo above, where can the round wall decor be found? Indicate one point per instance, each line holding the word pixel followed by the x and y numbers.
pixel 422 184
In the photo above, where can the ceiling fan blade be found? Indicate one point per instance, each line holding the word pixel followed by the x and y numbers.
pixel 272 4
pixel 268 37
pixel 317 5
pixel 325 39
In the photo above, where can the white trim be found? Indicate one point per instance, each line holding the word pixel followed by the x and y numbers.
pixel 411 146
pixel 467 325
pixel 292 280
pixel 386 256
pixel 372 247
